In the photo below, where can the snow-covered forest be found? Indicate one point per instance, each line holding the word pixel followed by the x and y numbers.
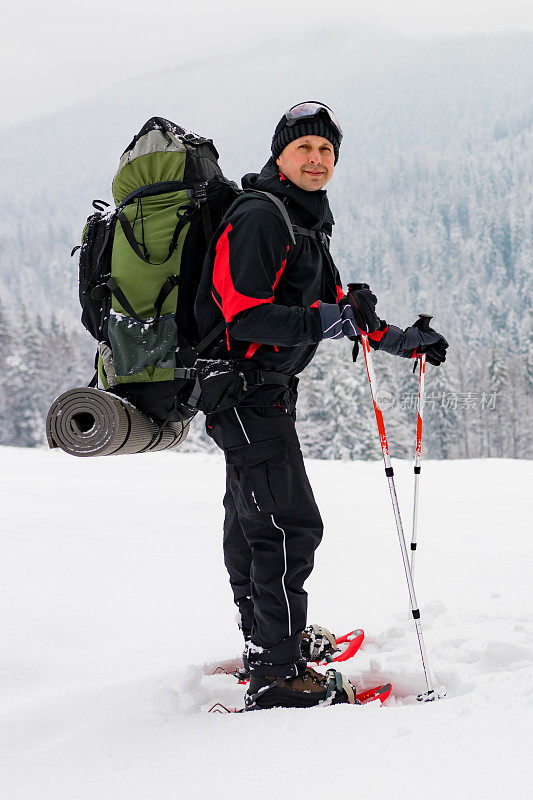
pixel 477 410
pixel 433 206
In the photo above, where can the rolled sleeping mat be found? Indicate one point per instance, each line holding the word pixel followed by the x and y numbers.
pixel 91 422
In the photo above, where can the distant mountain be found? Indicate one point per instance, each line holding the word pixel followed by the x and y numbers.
pixel 412 112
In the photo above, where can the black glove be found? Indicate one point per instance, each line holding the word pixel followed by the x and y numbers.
pixel 414 341
pixel 363 303
pixel 418 341
pixel 337 322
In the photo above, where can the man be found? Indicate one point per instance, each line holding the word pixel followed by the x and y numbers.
pixel 279 300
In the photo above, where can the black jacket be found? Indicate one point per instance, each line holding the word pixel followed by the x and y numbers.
pixel 267 289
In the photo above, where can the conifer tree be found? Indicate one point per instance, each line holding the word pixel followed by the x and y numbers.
pixel 6 366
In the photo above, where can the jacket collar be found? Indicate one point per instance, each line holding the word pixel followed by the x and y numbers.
pixel 309 209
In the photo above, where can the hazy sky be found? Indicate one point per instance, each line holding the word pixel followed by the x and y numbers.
pixel 55 52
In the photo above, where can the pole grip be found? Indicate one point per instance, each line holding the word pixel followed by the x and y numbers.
pixel 425 319
pixel 353 287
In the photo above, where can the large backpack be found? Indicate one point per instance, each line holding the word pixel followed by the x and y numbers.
pixel 140 266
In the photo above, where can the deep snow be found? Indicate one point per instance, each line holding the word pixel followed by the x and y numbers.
pixel 114 594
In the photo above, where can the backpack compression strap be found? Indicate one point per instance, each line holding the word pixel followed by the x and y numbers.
pixel 171 282
pixel 143 254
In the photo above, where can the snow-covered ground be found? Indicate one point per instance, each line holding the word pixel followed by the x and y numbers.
pixel 114 594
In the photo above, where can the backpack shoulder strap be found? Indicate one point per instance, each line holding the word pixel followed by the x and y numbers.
pixel 211 337
pixel 272 197
pixel 281 208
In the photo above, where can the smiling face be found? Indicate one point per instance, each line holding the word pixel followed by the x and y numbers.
pixel 308 162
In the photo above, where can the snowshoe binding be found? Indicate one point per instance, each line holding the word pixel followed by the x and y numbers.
pixel 322 647
pixel 318 643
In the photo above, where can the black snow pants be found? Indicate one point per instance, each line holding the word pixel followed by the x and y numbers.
pixel 271 530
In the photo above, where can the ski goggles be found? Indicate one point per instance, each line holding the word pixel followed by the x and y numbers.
pixel 310 109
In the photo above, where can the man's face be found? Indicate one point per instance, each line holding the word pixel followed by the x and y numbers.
pixel 308 162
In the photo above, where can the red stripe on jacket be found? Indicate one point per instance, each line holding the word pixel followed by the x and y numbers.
pixel 232 301
pixel 252 349
pixel 279 273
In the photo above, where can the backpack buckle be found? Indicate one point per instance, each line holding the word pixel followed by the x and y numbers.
pixel 200 193
pixel 188 373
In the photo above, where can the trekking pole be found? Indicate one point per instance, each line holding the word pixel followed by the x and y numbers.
pixel 425 320
pixel 431 693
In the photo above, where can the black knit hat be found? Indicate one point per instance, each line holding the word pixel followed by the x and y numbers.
pixel 318 125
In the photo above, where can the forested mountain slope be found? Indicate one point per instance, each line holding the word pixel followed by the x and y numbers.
pixel 433 206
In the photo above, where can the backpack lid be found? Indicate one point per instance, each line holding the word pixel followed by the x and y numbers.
pixel 158 153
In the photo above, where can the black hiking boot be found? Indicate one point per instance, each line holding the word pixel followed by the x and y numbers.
pixel 309 688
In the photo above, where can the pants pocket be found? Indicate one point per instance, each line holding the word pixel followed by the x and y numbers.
pixel 261 477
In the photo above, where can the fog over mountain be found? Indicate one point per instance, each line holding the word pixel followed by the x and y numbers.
pixel 431 196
